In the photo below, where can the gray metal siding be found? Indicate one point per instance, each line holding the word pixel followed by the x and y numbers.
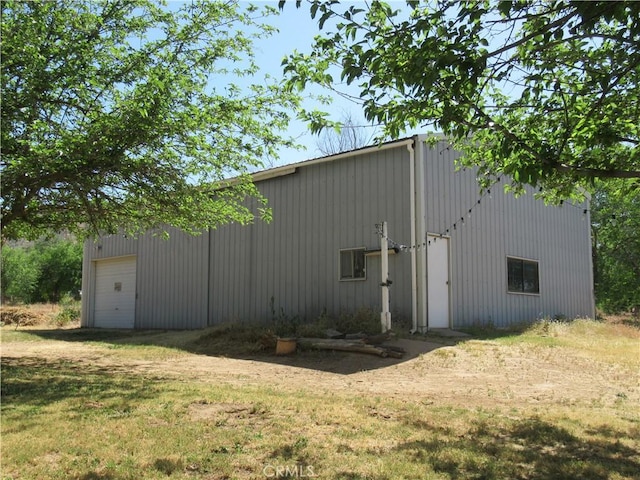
pixel 172 285
pixel 171 281
pixel 291 265
pixel 229 267
pixel 500 226
pixel 287 267
pixel 234 273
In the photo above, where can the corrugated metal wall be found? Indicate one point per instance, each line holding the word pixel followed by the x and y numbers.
pixel 291 265
pixel 171 278
pixel 172 286
pixel 501 225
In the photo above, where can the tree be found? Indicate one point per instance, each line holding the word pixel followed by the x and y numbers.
pixel 546 92
pixel 616 247
pixel 20 274
pixel 42 271
pixel 60 268
pixel 128 115
pixel 344 137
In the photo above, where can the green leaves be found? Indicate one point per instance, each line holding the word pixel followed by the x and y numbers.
pixel 123 114
pixel 43 271
pixel 549 91
pixel 20 273
pixel 615 218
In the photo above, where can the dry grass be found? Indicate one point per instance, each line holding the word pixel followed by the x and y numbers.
pixel 608 341
pixel 145 427
pixel 29 315
pixel 64 315
pixel 113 411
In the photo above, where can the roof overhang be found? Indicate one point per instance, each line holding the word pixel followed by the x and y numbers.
pixel 292 168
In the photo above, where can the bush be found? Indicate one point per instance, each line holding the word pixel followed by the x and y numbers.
pixel 365 320
pixel 615 215
pixel 20 273
pixel 43 271
pixel 69 311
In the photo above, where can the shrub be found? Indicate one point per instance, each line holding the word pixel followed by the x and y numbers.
pixel 365 320
pixel 41 271
pixel 69 311
pixel 21 270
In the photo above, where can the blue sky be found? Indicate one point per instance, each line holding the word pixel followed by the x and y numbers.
pixel 296 32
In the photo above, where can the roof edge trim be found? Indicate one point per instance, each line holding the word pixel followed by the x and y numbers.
pixel 291 168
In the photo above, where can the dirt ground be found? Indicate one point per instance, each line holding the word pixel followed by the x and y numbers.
pixel 471 373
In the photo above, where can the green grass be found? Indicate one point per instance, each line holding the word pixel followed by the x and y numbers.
pixel 65 420
pixel 62 421
pixel 10 334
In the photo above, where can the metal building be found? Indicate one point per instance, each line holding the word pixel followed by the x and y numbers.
pixel 462 258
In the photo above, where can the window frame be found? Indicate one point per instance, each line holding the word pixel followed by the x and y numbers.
pixel 523 261
pixel 353 278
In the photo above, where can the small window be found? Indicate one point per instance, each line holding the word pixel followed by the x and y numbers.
pixel 352 264
pixel 522 276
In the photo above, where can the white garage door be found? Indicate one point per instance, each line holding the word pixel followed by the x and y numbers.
pixel 115 297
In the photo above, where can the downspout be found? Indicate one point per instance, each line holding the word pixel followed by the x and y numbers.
pixel 209 277
pixel 421 234
pixel 589 230
pixel 412 208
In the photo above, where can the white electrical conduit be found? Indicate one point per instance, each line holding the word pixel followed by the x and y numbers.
pixel 414 267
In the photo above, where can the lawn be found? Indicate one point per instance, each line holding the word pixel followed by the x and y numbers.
pixel 80 404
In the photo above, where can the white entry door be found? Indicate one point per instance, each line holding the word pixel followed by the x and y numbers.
pixel 438 282
pixel 115 293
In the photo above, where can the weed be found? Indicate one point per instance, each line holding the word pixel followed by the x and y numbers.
pixel 70 311
pixel 317 328
pixel 282 324
pixel 364 320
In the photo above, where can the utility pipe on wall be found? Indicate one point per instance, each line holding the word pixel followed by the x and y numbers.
pixel 421 234
pixel 412 210
pixel 385 315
